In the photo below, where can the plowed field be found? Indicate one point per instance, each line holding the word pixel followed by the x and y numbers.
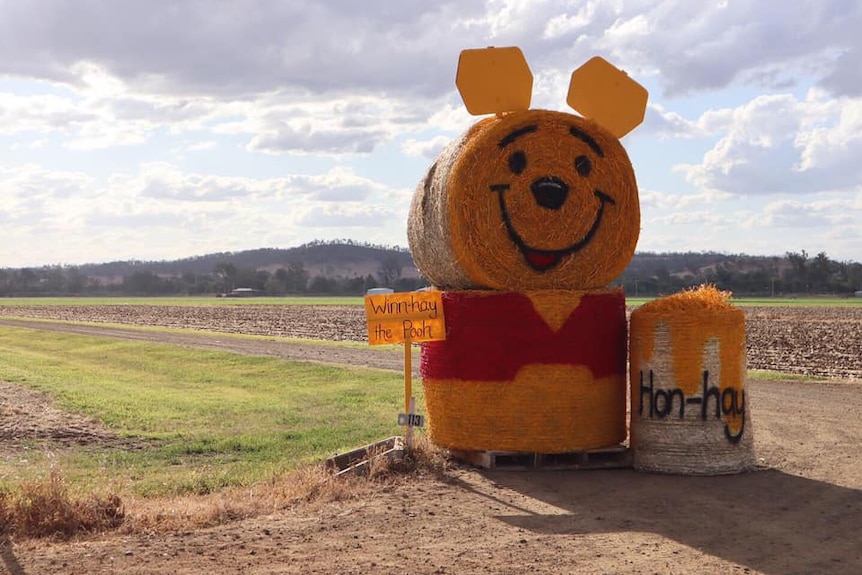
pixel 812 341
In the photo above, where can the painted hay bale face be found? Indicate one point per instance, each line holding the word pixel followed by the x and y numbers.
pixel 531 200
pixel 689 405
pixel 522 222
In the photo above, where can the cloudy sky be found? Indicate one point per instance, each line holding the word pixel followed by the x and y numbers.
pixel 134 129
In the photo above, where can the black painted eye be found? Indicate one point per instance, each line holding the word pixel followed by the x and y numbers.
pixel 583 165
pixel 518 162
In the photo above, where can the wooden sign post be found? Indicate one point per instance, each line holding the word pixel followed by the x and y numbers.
pixel 406 318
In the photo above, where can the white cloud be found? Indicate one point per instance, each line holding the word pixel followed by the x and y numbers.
pixel 163 181
pixel 134 213
pixel 237 47
pixel 26 190
pixel 343 216
pixel 274 123
pixel 658 120
pixel 778 144
pixel 218 125
pixel 306 139
pixel 662 201
pixel 39 113
pixel 338 185
pixel 817 214
pixel 359 124
pixel 430 148
pixel 670 223
pixel 835 144
pixel 243 48
pixel 88 119
pixel 705 45
pixel 564 24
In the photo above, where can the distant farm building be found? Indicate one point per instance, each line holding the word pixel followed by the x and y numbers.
pixel 241 292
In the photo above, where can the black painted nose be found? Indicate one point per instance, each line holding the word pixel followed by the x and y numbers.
pixel 550 192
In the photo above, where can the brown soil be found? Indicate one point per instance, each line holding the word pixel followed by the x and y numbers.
pixel 801 512
pixel 822 341
pixel 29 418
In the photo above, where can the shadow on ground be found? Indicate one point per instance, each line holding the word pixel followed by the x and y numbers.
pixel 768 520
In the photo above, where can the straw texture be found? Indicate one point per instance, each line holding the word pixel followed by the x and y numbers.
pixel 478 219
pixel 541 371
pixel 428 223
pixel 522 222
pixel 689 405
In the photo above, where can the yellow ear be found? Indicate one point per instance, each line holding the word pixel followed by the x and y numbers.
pixel 494 80
pixel 602 92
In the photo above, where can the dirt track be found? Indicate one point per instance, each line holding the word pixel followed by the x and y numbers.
pixel 801 513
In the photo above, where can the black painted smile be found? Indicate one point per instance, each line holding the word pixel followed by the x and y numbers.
pixel 543 260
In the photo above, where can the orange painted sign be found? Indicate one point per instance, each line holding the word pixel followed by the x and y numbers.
pixel 494 80
pixel 402 317
pixel 604 93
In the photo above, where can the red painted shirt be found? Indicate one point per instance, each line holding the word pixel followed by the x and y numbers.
pixel 489 337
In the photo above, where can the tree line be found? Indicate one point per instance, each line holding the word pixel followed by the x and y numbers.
pixel 292 279
pixel 648 274
pixel 794 274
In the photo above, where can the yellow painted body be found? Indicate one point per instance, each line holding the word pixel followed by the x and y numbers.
pixel 545 409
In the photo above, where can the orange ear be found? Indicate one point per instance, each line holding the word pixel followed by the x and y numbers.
pixel 494 80
pixel 602 92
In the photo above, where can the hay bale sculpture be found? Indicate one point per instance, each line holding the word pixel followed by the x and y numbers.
pixel 522 223
pixel 689 406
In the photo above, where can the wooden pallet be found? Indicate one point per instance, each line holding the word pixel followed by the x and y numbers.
pixel 359 460
pixel 613 457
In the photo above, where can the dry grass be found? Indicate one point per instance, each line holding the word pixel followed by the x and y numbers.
pixel 308 486
pixel 45 509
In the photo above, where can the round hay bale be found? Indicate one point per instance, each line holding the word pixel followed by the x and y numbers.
pixel 689 407
pixel 530 200
pixel 540 371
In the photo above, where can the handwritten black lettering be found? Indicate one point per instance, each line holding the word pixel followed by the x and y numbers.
pixel 416 330
pixel 662 402
pixel 401 306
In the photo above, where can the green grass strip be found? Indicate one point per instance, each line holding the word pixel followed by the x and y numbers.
pixel 767 375
pixel 215 418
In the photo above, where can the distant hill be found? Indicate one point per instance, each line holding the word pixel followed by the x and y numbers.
pixel 341 259
pixel 345 259
pixel 699 263
pixel 348 267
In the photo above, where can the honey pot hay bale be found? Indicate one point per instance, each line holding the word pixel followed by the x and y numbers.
pixel 689 410
pixel 540 372
pixel 531 200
